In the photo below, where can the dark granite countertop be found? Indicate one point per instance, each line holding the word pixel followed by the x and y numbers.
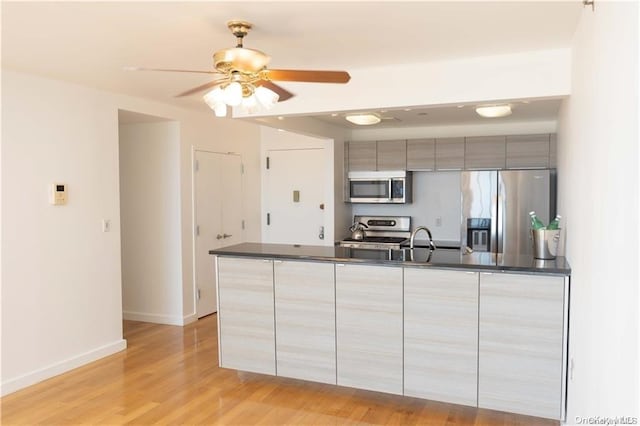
pixel 419 257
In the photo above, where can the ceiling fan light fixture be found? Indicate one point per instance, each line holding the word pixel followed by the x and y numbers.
pixel 233 94
pixel 493 111
pixel 363 119
pixel 266 97
pixel 249 103
pixel 220 110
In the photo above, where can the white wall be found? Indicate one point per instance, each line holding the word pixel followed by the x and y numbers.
pixel 435 194
pixel 61 275
pixel 150 222
pixel 598 198
pixel 61 296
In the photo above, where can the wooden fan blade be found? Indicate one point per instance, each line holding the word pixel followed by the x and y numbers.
pixel 200 88
pixel 168 70
pixel 308 76
pixel 283 93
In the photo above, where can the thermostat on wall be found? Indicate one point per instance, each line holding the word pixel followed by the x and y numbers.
pixel 58 194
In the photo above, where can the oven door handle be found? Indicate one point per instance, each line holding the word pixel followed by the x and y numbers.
pixel 390 189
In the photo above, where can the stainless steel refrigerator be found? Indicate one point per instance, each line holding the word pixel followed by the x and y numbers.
pixel 496 206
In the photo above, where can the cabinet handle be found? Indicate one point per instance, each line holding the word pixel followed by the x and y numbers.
pixel 339 264
pixel 227 235
pixel 469 272
pixel 487 273
pixel 266 260
pixel 277 261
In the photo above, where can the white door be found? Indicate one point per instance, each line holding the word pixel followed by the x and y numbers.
pixel 217 216
pixel 294 197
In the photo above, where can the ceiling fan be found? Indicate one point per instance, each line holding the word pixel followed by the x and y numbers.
pixel 248 68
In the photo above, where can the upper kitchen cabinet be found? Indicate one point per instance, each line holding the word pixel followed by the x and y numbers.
pixel 421 154
pixel 485 152
pixel 528 151
pixel 392 155
pixel 450 154
pixel 362 156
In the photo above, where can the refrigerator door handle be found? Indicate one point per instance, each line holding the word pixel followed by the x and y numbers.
pixel 500 227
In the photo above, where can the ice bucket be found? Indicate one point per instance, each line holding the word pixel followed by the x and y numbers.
pixel 545 243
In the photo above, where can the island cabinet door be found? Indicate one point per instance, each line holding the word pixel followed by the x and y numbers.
pixel 305 320
pixel 441 335
pixel 521 344
pixel 369 327
pixel 246 315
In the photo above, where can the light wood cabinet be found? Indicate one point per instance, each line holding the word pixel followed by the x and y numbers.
pixel 528 151
pixel 369 327
pixel 247 333
pixel 521 340
pixel 485 152
pixel 305 320
pixel 362 156
pixel 421 154
pixel 392 155
pixel 441 335
pixel 450 154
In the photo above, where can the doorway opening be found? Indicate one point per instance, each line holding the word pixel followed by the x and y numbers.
pixel 150 216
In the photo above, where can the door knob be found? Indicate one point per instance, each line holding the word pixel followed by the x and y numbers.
pixel 219 237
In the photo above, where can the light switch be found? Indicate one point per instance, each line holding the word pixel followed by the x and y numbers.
pixel 106 225
pixel 296 196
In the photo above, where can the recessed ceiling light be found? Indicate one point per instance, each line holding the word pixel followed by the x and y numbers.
pixel 493 111
pixel 335 114
pixel 280 117
pixel 407 109
pixel 363 119
pixel 280 130
pixel 460 106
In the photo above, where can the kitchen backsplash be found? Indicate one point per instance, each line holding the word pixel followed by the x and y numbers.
pixel 436 195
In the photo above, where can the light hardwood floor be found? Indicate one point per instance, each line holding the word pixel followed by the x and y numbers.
pixel 170 375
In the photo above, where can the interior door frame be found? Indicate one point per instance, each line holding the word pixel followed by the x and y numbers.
pixel 194 287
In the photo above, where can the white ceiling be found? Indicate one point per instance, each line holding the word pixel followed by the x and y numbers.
pixel 90 42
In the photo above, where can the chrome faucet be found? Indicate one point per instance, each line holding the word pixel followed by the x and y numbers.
pixel 432 246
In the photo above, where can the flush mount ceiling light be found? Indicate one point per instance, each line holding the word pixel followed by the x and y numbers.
pixel 493 111
pixel 363 119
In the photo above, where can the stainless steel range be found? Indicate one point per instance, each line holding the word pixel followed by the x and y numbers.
pixel 382 232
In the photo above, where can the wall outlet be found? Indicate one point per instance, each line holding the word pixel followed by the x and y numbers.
pixel 106 225
pixel 439 221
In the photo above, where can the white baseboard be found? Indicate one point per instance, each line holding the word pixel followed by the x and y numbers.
pixel 17 383
pixel 154 318
pixel 188 319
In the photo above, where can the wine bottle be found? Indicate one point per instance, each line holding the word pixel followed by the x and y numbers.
pixel 536 223
pixel 555 223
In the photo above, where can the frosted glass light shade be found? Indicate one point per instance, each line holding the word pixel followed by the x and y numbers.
pixel 363 119
pixel 220 110
pixel 233 94
pixel 266 97
pixel 494 111
pixel 250 104
pixel 213 97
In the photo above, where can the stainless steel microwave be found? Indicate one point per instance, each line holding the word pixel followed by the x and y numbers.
pixel 393 187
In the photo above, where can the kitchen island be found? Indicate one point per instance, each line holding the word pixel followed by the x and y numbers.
pixel 476 329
